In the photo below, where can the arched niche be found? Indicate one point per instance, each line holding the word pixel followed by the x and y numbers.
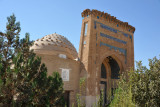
pixel 119 59
pixel 110 70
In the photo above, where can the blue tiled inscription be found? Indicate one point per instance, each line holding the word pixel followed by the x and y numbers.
pixel 111 29
pixel 113 47
pixel 113 38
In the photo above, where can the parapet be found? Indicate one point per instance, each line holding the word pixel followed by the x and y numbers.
pixel 106 16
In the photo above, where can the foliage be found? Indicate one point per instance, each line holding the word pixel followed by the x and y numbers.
pixel 146 84
pixel 123 94
pixel 141 89
pixel 101 99
pixel 23 78
pixel 80 100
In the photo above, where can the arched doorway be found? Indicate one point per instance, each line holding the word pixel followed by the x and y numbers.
pixel 110 72
pixel 103 83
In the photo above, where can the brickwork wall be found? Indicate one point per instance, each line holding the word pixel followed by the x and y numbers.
pixel 54 63
pixel 106 36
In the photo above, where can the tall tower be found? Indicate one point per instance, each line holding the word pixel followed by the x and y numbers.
pixel 106 50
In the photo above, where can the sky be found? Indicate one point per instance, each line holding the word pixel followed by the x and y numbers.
pixel 43 17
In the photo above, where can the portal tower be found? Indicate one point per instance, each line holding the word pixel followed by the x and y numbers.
pixel 106 49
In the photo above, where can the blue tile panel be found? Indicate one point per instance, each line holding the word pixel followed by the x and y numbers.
pixel 126 35
pixel 124 51
pixel 111 29
pixel 115 48
pixel 96 36
pixel 113 38
pixel 130 37
pixel 108 28
pixel 95 24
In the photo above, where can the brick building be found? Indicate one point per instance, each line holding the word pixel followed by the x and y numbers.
pixel 106 50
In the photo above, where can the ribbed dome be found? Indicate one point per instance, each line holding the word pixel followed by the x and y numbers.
pixel 55 44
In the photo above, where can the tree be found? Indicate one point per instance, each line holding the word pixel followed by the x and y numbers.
pixel 123 94
pixel 146 84
pixel 142 89
pixel 23 78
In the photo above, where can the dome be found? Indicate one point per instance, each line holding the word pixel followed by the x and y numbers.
pixel 54 44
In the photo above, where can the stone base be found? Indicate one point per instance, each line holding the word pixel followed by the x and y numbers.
pixel 91 101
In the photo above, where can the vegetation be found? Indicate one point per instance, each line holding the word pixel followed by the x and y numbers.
pixel 141 89
pixel 23 78
pixel 80 100
pixel 138 88
pixel 123 94
pixel 146 84
pixel 24 81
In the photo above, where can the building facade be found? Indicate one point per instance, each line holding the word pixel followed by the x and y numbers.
pixel 106 50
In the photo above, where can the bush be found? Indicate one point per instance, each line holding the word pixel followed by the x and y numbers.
pixel 142 89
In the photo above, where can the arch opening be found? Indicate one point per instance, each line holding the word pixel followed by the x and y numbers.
pixel 103 71
pixel 110 72
pixel 115 69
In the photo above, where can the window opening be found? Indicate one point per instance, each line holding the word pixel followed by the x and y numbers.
pixel 85 29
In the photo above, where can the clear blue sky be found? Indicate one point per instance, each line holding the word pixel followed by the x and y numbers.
pixel 43 17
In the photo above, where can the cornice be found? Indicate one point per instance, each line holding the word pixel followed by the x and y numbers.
pixel 88 12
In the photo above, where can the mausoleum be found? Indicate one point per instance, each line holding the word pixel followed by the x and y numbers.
pixel 106 50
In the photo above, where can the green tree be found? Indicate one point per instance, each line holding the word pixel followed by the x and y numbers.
pixel 141 89
pixel 146 84
pixel 23 78
pixel 123 94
